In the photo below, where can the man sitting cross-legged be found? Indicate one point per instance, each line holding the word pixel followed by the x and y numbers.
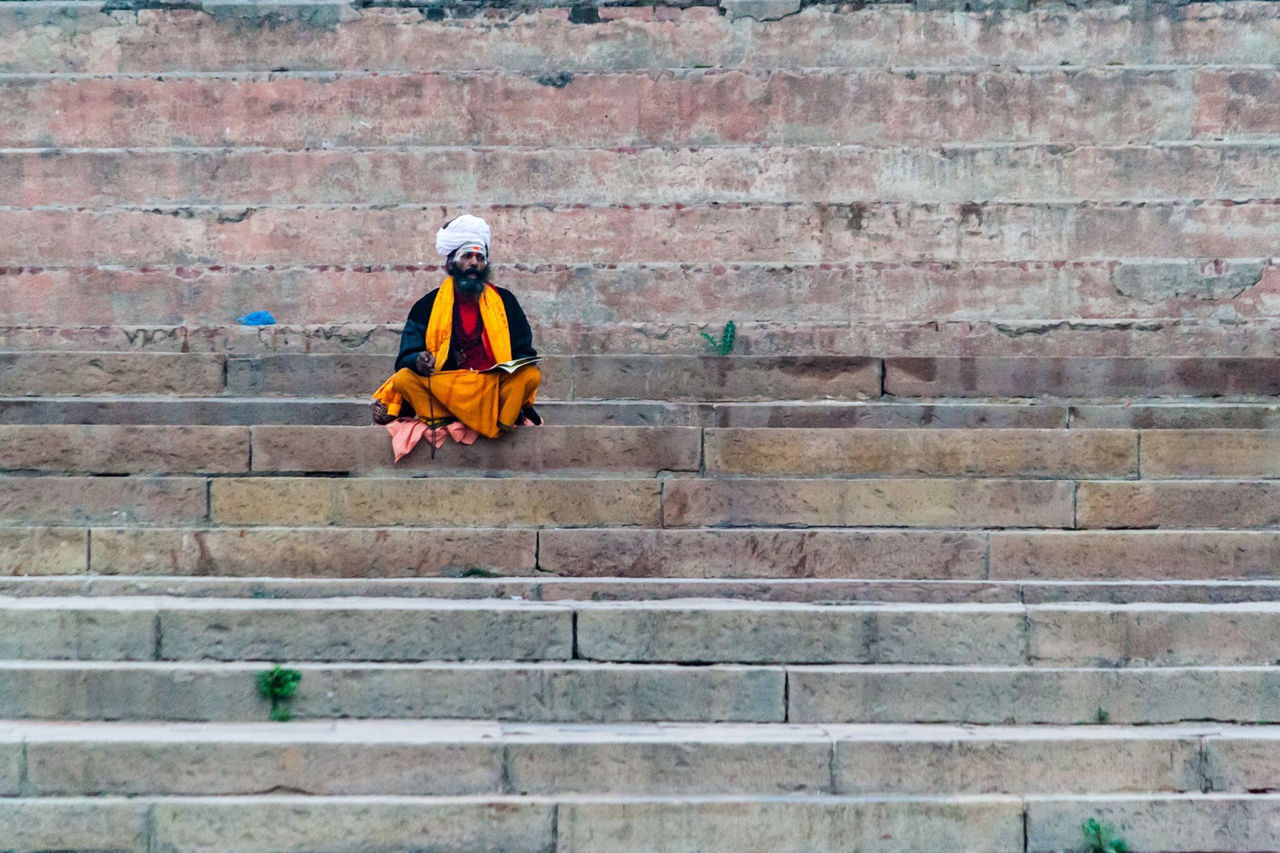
pixel 454 334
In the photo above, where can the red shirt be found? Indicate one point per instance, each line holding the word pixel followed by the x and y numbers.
pixel 470 347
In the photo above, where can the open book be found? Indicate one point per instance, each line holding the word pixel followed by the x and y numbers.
pixel 513 365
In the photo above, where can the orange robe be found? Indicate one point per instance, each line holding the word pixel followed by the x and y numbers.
pixel 488 403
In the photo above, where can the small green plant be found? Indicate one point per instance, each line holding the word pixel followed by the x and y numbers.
pixel 479 573
pixel 1101 838
pixel 724 346
pixel 279 684
pixel 1103 717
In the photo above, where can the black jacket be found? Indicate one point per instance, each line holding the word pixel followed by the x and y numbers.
pixel 413 338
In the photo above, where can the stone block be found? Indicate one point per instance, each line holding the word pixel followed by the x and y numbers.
pixel 723 824
pixel 11 762
pixel 103 500
pixel 1016 761
pixel 326 552
pixel 366 630
pixel 762 553
pixel 436 502
pixel 739 632
pixel 996 695
pixel 72 628
pixel 1242 761
pixel 670 762
pixel 305 375
pixel 1079 377
pixel 43 551
pixel 27 374
pixel 74 824
pixel 549 448
pixel 925 452
pixel 1173 823
pixel 1178 504
pixel 1174 416
pixel 760 10
pixel 237 763
pixel 299 824
pixel 1210 453
pixel 571 693
pixel 1135 554
pixel 1153 634
pixel 717 378
pixel 103 449
pixel 182 411
pixel 870 503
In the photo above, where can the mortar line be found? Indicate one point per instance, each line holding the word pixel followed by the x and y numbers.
pixel 555 826
pixel 24 772
pixel 504 770
pixel 88 550
pixel 1138 454
pixel 1026 831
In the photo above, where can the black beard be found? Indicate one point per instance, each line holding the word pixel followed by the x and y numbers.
pixel 468 283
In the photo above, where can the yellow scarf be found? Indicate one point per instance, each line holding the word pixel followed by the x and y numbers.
pixel 493 314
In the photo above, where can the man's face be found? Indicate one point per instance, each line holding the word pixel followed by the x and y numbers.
pixel 470 271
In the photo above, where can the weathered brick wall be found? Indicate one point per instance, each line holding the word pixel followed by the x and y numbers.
pixel 883 179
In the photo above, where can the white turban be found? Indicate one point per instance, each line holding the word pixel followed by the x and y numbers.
pixel 461 231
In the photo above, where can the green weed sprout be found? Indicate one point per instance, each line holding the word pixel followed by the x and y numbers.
pixel 279 684
pixel 725 345
pixel 1101 838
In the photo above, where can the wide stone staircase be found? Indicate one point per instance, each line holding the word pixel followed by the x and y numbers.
pixel 972 537
pixel 987 612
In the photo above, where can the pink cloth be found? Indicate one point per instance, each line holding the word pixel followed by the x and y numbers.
pixel 405 435
pixel 407 432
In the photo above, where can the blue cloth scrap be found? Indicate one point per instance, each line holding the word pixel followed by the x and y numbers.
pixel 257 318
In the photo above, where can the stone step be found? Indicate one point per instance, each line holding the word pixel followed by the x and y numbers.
pixel 738 174
pixel 581 692
pixel 903 306
pixel 542 588
pixel 67 38
pixel 283 823
pixel 862 414
pixel 760 553
pixel 286 236
pixel 291 823
pixel 885 413
pixel 567 691
pixel 691 631
pixel 299 110
pixel 670 378
pixel 443 758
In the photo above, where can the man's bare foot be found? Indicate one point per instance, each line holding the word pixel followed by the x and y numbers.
pixel 380 415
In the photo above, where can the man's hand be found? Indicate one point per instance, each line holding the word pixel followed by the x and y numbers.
pixel 425 364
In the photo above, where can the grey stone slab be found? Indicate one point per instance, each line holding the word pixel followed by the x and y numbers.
pixel 806 824
pixel 115 825
pixel 1153 635
pixel 526 692
pixel 11 761
pixel 69 629
pixel 374 631
pixel 765 764
pixel 34 374
pixel 992 695
pixel 1207 415
pixel 763 553
pixel 1025 761
pixel 375 825
pixel 232 766
pixel 759 633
